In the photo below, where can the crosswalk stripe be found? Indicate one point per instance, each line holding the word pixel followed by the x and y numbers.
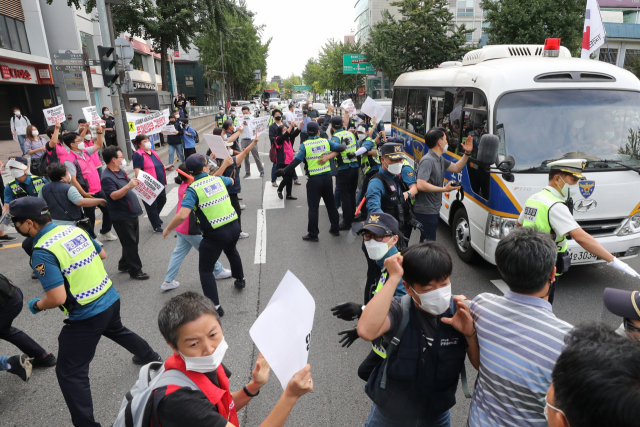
pixel 261 239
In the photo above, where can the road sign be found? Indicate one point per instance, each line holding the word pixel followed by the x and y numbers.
pixel 91 62
pixel 77 56
pixel 68 62
pixel 257 75
pixel 301 88
pixel 69 67
pixel 356 64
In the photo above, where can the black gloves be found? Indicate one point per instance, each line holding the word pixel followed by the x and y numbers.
pixel 347 311
pixel 351 156
pixel 280 172
pixel 350 335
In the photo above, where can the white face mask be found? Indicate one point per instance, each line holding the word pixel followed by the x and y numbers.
pixel 87 137
pixel 394 168
pixel 123 163
pixel 206 364
pixel 565 190
pixel 147 145
pixel 35 133
pixel 67 178
pixel 17 173
pixel 247 116
pixel 376 250
pixel 17 113
pixel 435 302
pixel 176 116
pixel 81 146
pixel 106 112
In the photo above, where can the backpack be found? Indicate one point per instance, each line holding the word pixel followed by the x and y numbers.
pixel 47 159
pixel 196 138
pixel 273 153
pixel 135 410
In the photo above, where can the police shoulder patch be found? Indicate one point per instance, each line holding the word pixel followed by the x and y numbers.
pixel 410 174
pixel 40 269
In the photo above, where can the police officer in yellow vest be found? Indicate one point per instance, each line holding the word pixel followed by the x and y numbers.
pixel 235 119
pixel 550 211
pixel 220 118
pixel 319 184
pixel 347 170
pixel 68 263
pixel 208 198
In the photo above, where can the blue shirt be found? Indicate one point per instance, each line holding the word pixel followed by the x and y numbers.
pixel 520 340
pixel 305 121
pixel 344 166
pixel 408 175
pixel 138 163
pixel 400 290
pixel 52 277
pixel 301 155
pixel 189 141
pixel 190 199
pixel 27 185
pixel 379 128
pixel 376 189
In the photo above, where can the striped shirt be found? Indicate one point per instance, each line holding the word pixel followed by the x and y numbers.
pixel 520 340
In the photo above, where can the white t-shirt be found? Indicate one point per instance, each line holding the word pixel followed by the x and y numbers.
pixel 247 132
pixel 560 218
pixel 289 116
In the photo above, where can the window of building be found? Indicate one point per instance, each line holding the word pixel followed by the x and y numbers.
pixel 158 66
pixel 87 41
pixel 13 35
pixel 470 26
pixel 188 81
pixel 416 111
pixel 137 62
pixel 465 7
pixel 629 55
pixel 605 53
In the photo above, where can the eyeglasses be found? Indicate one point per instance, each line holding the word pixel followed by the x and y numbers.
pixel 629 326
pixel 368 236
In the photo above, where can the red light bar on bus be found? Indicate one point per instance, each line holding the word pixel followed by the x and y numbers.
pixel 551 48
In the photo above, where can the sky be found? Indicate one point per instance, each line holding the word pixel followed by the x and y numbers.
pixel 299 29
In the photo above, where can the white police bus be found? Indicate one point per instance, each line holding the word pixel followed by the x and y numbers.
pixel 542 105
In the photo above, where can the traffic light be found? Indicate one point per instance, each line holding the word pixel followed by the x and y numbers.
pixel 107 64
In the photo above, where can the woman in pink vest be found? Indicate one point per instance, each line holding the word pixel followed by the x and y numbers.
pixel 145 159
pixel 88 142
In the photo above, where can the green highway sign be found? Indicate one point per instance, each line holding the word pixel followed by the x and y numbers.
pixel 301 88
pixel 356 64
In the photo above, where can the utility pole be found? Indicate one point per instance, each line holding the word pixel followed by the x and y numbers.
pixel 224 85
pixel 108 39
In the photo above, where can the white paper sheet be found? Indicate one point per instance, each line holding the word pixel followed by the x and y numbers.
pixel 148 189
pixel 372 109
pixel 282 332
pixel 216 144
pixel 54 115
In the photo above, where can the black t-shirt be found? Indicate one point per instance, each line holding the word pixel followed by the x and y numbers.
pixel 186 407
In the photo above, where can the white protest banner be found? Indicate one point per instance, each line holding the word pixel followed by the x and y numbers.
pixel 217 146
pixel 91 116
pixel 372 109
pixel 148 124
pixel 148 189
pixel 169 130
pixel 297 116
pixel 348 106
pixel 282 332
pixel 259 125
pixel 54 115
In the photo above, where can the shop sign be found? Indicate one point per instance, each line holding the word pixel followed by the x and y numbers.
pixel 9 72
pixel 140 85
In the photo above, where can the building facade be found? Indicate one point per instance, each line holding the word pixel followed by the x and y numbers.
pixel 621 20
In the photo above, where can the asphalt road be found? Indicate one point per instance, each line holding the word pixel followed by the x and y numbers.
pixel 333 271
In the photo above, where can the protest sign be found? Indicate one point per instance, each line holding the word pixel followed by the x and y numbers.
pixel 282 332
pixel 348 106
pixel 372 109
pixel 148 124
pixel 169 130
pixel 148 189
pixel 259 125
pixel 54 115
pixel 297 116
pixel 217 146
pixel 91 116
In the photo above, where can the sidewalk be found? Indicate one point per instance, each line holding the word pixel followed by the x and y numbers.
pixel 9 148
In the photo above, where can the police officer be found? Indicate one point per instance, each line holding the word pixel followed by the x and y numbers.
pixel 551 211
pixel 208 198
pixel 319 184
pixel 68 263
pixel 220 118
pixel 347 171
pixel 369 160
pixel 234 118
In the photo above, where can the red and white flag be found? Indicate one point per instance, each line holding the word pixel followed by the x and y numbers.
pixel 593 34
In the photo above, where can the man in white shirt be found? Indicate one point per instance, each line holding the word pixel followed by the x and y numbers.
pixel 246 138
pixel 19 125
pixel 288 115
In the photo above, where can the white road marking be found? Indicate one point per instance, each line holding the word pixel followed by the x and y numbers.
pixel 270 199
pixel 255 173
pixel 261 239
pixel 501 285
pixel 172 201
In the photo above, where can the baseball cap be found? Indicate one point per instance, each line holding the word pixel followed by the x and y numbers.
pixel 336 121
pixel 28 207
pixel 361 129
pixel 571 166
pixel 196 162
pixel 313 127
pixel 396 140
pixel 622 303
pixel 18 163
pixel 392 150
pixel 380 223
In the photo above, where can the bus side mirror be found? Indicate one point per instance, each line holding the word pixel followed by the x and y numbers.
pixel 488 150
pixel 507 164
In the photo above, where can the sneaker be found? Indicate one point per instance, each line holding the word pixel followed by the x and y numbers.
pixel 240 198
pixel 6 238
pixel 344 226
pixel 243 235
pixel 310 238
pixel 140 275
pixel 247 175
pixel 44 362
pixel 335 232
pixel 167 286
pixel 273 184
pixel 239 284
pixel 34 276
pixel 220 311
pixel 20 366
pixel 262 174
pixel 109 236
pixel 120 270
pixel 280 195
pixel 224 274
pixel 1 245
pixel 154 358
pixel 158 230
pixel 340 210
pixel 291 198
pixel 297 182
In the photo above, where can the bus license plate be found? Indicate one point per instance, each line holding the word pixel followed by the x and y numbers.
pixel 582 256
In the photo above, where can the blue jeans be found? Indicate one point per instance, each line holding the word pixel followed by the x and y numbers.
pixel 183 246
pixel 429 226
pixel 21 139
pixel 273 172
pixel 3 363
pixel 378 419
pixel 177 148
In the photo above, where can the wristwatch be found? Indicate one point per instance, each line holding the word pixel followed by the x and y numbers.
pixel 35 306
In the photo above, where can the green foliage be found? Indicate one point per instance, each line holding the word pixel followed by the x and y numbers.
pixel 311 72
pixel 533 21
pixel 273 85
pixel 633 66
pixel 330 67
pixel 291 81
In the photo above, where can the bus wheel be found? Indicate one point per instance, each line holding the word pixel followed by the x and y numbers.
pixel 462 235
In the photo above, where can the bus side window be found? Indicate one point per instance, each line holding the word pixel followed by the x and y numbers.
pixel 400 107
pixel 416 111
pixel 474 113
pixel 453 100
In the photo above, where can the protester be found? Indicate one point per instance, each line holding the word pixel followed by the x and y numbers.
pixel 595 380
pixel 147 160
pixel 110 137
pixel 311 112
pixel 34 145
pixel 284 155
pixel 625 304
pixel 520 337
pixel 188 235
pixel 408 388
pixel 303 130
pixel 138 108
pixel 124 208
pixel 56 150
pixel 175 140
pixel 191 327
pixel 289 117
pixel 63 199
pixel 188 138
pixel 273 133
pixel 85 132
pixel 18 124
pixel 17 365
pixel 245 139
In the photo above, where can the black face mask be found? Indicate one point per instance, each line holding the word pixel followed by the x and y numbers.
pixel 20 232
pixel 278 118
pixel 552 291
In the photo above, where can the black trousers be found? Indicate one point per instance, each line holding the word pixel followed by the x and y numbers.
pixel 154 209
pixel 188 152
pixel 106 218
pixel 222 239
pixel 77 344
pixel 15 336
pixel 1 190
pixel 236 205
pixel 287 180
pixel 128 231
pixel 348 186
pixel 321 187
pixel 373 275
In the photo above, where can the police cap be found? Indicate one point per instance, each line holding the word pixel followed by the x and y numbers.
pixel 571 166
pixel 18 163
pixel 392 150
pixel 380 223
pixel 312 128
pixel 336 121
pixel 28 207
pixel 623 303
pixel 196 162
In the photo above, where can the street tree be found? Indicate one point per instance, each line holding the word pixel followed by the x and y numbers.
pixel 331 76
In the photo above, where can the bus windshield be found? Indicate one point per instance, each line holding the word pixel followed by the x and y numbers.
pixel 601 126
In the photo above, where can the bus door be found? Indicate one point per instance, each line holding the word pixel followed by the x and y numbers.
pixel 474 123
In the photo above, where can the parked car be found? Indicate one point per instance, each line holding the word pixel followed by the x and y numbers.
pixel 320 108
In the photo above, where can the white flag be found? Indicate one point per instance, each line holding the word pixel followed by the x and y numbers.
pixel 593 34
